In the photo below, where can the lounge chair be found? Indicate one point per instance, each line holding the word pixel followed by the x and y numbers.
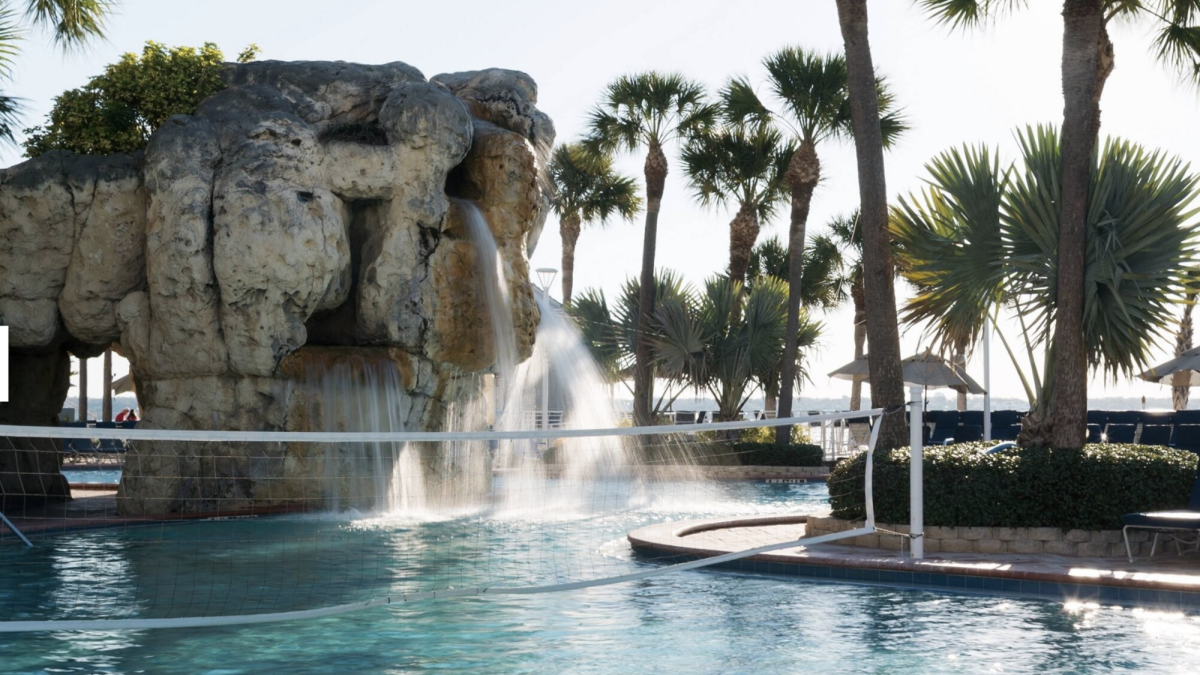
pixel 1121 433
pixel 1006 433
pixel 1187 437
pixel 1167 521
pixel 1095 432
pixel 968 433
pixel 1155 434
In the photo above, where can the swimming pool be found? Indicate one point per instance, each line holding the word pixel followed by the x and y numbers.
pixel 694 622
pixel 105 476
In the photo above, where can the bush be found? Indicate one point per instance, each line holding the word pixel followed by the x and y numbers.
pixel 1023 487
pixel 770 454
pixel 118 110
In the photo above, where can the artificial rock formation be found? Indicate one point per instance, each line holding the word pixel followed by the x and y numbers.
pixel 307 207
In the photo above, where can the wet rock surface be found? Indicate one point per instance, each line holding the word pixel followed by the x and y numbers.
pixel 307 205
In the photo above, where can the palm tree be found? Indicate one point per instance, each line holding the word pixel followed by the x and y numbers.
pixel 586 190
pixel 723 342
pixel 611 332
pixel 651 110
pixel 1087 61
pixel 879 294
pixel 983 236
pixel 813 106
pixel 1183 341
pixel 848 235
pixel 742 164
pixel 71 22
pixel 823 288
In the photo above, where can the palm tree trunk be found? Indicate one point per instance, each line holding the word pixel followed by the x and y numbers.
pixel 82 401
pixel 960 361
pixel 803 173
pixel 1086 62
pixel 643 375
pixel 887 379
pixel 1183 342
pixel 106 409
pixel 743 232
pixel 568 227
pixel 860 338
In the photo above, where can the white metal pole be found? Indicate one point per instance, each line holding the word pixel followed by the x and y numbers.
pixel 916 474
pixel 546 393
pixel 987 379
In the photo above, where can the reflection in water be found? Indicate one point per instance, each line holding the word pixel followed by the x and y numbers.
pixel 695 622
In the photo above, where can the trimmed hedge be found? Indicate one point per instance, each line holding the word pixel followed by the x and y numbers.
pixel 1024 487
pixel 770 454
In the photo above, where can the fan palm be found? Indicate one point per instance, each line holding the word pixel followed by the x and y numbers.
pixel 611 332
pixel 740 164
pixel 71 23
pixel 811 103
pixel 1087 61
pixel 723 342
pixel 586 189
pixel 823 288
pixel 649 110
pixel 982 236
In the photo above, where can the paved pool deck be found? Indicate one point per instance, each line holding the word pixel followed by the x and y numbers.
pixel 1170 582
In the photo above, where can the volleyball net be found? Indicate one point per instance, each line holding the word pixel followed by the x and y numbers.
pixel 171 528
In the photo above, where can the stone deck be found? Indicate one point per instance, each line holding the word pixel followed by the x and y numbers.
pixel 1165 582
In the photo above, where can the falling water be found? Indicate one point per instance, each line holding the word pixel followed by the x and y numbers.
pixel 357 394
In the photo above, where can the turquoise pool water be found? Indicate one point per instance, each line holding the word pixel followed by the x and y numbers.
pixel 110 476
pixel 691 622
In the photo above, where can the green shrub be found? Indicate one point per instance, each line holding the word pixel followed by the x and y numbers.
pixel 118 110
pixel 1023 487
pixel 770 454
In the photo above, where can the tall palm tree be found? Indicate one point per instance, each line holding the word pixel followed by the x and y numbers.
pixel 887 379
pixel 813 105
pixel 1180 389
pixel 650 110
pixel 743 165
pixel 848 235
pixel 72 23
pixel 586 189
pixel 983 236
pixel 1087 61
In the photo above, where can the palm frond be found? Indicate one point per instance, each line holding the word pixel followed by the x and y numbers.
pixel 741 104
pixel 73 22
pixel 585 183
pixel 10 117
pixel 740 164
pixel 967 13
pixel 10 36
pixel 649 108
pixel 1177 37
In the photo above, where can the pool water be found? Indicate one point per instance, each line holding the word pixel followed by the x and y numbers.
pixel 690 622
pixel 108 476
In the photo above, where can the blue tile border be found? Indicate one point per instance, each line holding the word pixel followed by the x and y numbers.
pixel 962 583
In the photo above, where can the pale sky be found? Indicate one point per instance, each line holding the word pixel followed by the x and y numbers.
pixel 954 87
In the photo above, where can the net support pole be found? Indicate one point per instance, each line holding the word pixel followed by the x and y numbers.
pixel 987 379
pixel 916 474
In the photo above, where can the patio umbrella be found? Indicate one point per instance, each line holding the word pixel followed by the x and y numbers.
pixel 122 385
pixel 1187 365
pixel 923 370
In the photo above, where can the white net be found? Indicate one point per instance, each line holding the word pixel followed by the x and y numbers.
pixel 192 528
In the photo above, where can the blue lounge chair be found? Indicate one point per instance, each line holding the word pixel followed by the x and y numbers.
pixel 1006 433
pixel 1187 437
pixel 1099 417
pixel 1094 433
pixel 1155 434
pixel 1121 433
pixel 968 433
pixel 1167 521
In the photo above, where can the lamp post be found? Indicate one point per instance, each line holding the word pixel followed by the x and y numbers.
pixel 545 278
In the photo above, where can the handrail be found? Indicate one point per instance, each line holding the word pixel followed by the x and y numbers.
pixel 12 527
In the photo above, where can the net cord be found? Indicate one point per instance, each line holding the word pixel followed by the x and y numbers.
pixel 412 436
pixel 874 416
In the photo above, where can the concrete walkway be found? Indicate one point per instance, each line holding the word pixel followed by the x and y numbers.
pixel 1166 581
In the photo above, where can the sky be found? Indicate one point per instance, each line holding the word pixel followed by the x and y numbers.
pixel 954 87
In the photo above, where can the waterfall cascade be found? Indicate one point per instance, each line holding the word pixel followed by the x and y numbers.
pixel 360 393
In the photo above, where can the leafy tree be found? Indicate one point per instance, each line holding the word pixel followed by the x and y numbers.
pixel 887 377
pixel 812 105
pixel 982 236
pixel 648 110
pixel 118 110
pixel 740 164
pixel 1087 60
pixel 586 190
pixel 72 23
